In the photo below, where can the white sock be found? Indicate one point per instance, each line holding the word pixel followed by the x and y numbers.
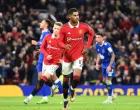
pixel 109 97
pixel 65 100
pixel 56 81
pixel 112 93
pixel 53 86
pixel 45 97
pixel 71 88
pixel 30 96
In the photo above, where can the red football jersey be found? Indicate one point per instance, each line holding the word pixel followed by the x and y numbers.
pixel 74 35
pixel 50 47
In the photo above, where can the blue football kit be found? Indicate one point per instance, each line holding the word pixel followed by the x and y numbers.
pixel 40 60
pixel 105 50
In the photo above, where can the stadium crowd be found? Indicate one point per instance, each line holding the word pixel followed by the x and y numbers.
pixel 119 20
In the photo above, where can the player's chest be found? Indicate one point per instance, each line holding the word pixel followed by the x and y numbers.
pixel 102 50
pixel 52 42
pixel 75 32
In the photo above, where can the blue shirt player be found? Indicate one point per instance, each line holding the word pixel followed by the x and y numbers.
pixel 107 57
pixel 44 25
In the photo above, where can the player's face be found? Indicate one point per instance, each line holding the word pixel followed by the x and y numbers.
pixel 99 38
pixel 56 29
pixel 43 24
pixel 74 17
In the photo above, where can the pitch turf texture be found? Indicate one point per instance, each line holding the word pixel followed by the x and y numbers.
pixel 81 103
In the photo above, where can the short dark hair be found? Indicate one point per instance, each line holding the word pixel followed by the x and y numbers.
pixel 71 10
pixel 102 35
pixel 48 22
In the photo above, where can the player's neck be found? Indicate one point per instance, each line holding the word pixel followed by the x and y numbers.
pixel 44 29
pixel 101 43
pixel 73 24
pixel 56 35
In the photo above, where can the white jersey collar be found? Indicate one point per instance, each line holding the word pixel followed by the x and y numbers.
pixel 53 36
pixel 102 43
pixel 45 31
pixel 71 26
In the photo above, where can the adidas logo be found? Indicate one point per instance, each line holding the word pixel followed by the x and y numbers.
pixel 69 33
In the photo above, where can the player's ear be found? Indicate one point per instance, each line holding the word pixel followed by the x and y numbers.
pixel 68 16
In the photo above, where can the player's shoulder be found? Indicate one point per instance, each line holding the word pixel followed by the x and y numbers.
pixel 96 44
pixel 65 25
pixel 46 32
pixel 48 36
pixel 107 43
pixel 84 24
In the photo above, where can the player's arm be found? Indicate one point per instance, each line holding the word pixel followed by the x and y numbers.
pixel 90 38
pixel 39 43
pixel 111 52
pixel 43 47
pixel 60 41
pixel 112 59
pixel 61 58
pixel 34 42
pixel 97 61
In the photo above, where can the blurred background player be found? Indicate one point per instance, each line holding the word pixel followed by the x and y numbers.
pixel 44 26
pixel 107 57
pixel 51 61
pixel 71 39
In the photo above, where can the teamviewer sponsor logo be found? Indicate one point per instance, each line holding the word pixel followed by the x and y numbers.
pixel 49 46
pixel 69 39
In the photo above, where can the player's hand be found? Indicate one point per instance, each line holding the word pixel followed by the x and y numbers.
pixel 60 61
pixel 68 46
pixel 108 69
pixel 38 50
pixel 85 51
pixel 97 66
pixel 49 57
pixel 34 42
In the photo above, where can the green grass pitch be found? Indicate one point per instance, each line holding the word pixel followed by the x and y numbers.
pixel 81 103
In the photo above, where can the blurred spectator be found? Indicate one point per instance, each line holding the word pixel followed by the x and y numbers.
pixel 122 72
pixel 93 75
pixel 16 77
pixel 125 23
pixel 25 74
pixel 122 52
pixel 3 71
pixel 84 77
pixel 42 4
pixel 137 80
pixel 34 73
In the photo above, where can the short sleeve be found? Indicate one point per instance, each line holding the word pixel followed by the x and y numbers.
pixel 109 48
